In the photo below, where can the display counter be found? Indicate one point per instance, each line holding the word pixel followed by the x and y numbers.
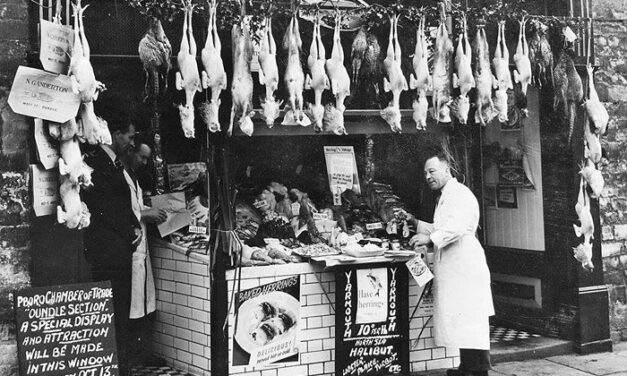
pixel 182 328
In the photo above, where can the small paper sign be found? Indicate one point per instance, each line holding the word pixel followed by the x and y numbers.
pixel 319 216
pixel 44 95
pixel 48 154
pixel 342 168
pixel 374 226
pixel 260 204
pixel 45 190
pixel 295 208
pixel 197 229
pixel 419 270
pixel 56 45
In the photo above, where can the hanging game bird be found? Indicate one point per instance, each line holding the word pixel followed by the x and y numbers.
pixel 155 52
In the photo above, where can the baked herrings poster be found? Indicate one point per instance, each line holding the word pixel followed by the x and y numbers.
pixel 267 324
pixel 371 335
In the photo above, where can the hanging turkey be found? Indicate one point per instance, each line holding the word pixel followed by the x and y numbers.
pixel 294 77
pixel 188 77
pixel 441 111
pixel 269 73
pixel 594 108
pixel 213 76
pixel 155 52
pixel 242 84
pixel 317 78
pixel 395 81
pixel 483 78
pixel 81 72
pixel 522 73
pixel 420 78
pixel 583 253
pixel 503 79
pixel 462 77
pixel 339 81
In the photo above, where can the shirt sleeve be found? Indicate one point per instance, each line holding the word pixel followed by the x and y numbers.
pixel 456 216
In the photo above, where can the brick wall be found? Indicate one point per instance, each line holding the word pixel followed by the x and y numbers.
pixel 611 83
pixel 182 327
pixel 14 197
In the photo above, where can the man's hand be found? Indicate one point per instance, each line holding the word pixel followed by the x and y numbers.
pixel 154 215
pixel 138 237
pixel 419 239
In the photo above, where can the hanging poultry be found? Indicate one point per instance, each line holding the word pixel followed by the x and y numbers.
pixel 568 89
pixel 294 77
pixel 73 213
pixel 462 77
pixel 540 55
pixel 420 78
pixel 596 111
pixel 213 76
pixel 483 78
pixel 338 75
pixel 71 163
pixel 188 78
pixel 317 79
pixel 593 178
pixel 81 72
pixel 442 74
pixel 395 81
pixel 155 52
pixel 269 74
pixel 358 51
pixel 586 227
pixel 522 73
pixel 242 84
pixel 592 142
pixel 502 80
pixel 91 128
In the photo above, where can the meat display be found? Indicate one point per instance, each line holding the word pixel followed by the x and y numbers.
pixel 242 84
pixel 522 73
pixel 213 75
pixel 540 55
pixel 358 51
pixel 441 111
pixel 338 75
pixel 269 74
pixel 317 78
pixel 91 128
pixel 188 77
pixel 155 52
pixel 594 108
pixel 568 89
pixel 462 77
pixel 395 81
pixel 503 79
pixel 483 78
pixel 294 77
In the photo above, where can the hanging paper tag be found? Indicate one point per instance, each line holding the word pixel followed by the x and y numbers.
pixel 374 226
pixel 295 208
pixel 260 204
pixel 320 216
pixel 197 230
pixel 419 270
pixel 569 35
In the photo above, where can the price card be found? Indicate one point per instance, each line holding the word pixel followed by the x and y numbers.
pixel 48 154
pixel 197 230
pixel 374 226
pixel 56 46
pixel 45 190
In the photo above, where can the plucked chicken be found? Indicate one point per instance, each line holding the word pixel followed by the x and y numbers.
pixel 540 55
pixel 592 142
pixel 91 128
pixel 358 51
pixel 333 120
pixel 63 131
pixel 483 78
pixel 188 77
pixel 503 79
pixel 317 79
pixel 81 72
pixel 442 75
pixel 395 81
pixel 242 84
pixel 522 73
pixel 73 213
pixel 583 254
pixel 71 163
pixel 568 89
pixel 269 74
pixel 336 71
pixel 420 78
pixel 155 52
pixel 462 77
pixel 596 111
pixel 294 77
pixel 586 227
pixel 593 178
pixel 213 76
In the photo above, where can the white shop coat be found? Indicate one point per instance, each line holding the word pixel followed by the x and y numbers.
pixel 462 293
pixel 142 281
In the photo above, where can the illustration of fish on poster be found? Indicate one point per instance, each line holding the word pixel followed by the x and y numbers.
pixel 267 324
pixel 372 295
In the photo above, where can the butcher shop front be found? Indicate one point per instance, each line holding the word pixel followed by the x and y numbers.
pixel 288 141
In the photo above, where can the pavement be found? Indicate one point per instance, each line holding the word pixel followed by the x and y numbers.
pixel 599 364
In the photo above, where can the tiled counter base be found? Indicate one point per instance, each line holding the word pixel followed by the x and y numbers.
pixel 182 328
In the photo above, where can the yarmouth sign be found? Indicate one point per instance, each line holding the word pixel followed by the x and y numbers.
pixel 43 95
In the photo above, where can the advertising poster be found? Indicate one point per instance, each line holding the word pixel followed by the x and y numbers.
pixel 341 170
pixel 380 345
pixel 267 324
pixel 66 330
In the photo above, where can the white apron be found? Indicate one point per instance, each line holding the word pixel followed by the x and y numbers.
pixel 462 293
pixel 142 282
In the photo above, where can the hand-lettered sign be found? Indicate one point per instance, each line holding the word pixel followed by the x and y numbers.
pixel 56 45
pixel 66 330
pixel 44 95
pixel 371 320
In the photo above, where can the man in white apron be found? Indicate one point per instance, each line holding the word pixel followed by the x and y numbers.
pixel 142 282
pixel 462 293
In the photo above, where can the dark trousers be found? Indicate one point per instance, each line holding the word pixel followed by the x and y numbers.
pixel 473 360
